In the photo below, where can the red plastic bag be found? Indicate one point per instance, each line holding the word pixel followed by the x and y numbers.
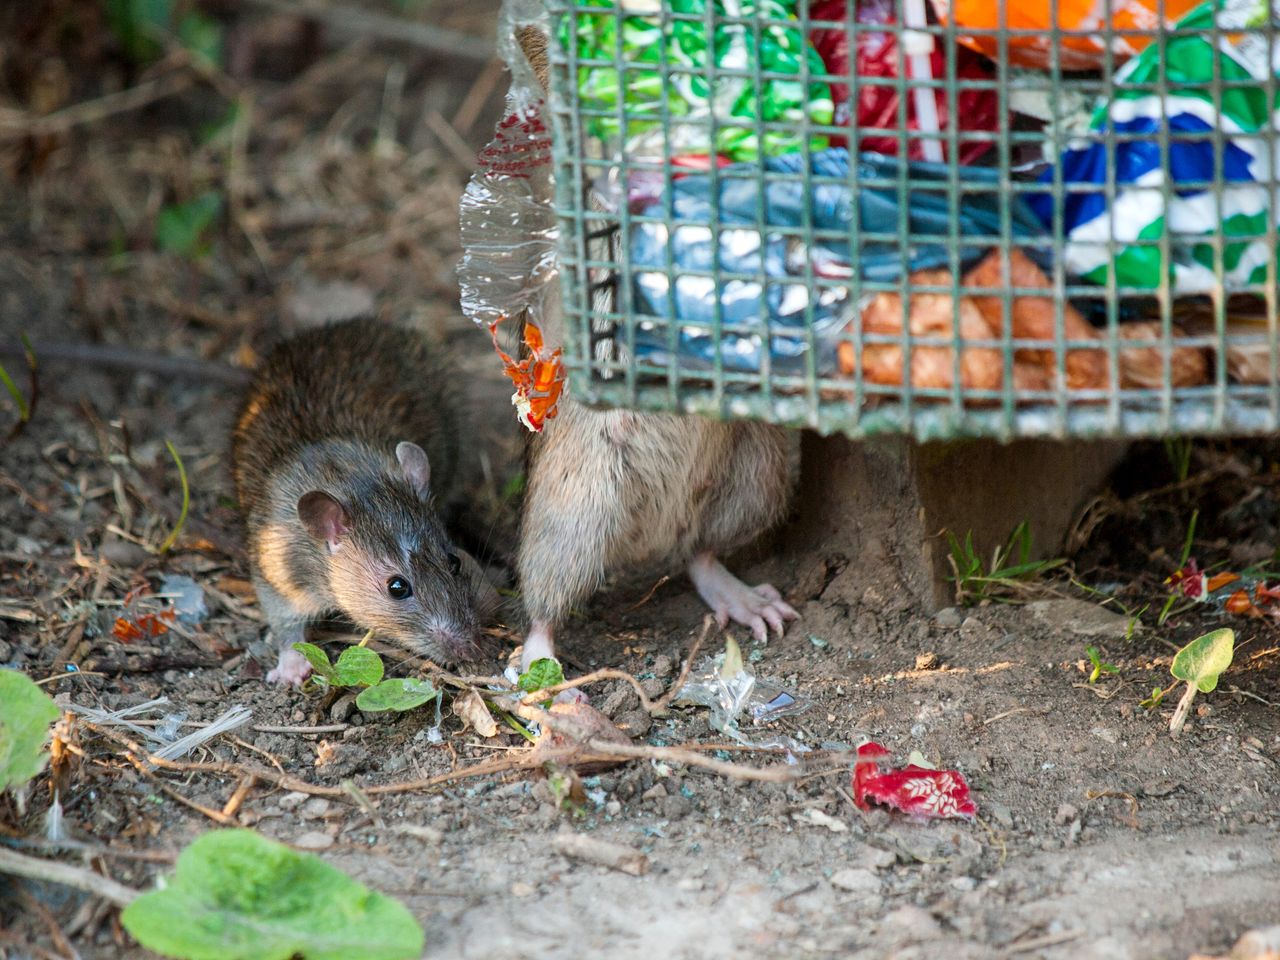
pixel 877 106
pixel 918 791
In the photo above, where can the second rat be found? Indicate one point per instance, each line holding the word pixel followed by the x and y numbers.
pixel 347 442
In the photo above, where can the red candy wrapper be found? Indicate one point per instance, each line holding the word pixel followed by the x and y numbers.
pixel 918 791
pixel 876 106
pixel 538 378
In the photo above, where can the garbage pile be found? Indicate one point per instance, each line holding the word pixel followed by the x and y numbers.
pixel 1160 191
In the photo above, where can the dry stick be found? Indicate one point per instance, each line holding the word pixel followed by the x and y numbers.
pixel 458 148
pixel 653 707
pixel 648 596
pixel 232 806
pixel 52 871
pixel 382 27
pixel 16 124
pixel 707 623
pixel 128 358
pixel 51 923
pixel 217 816
pixel 469 110
pixel 11 937
pixel 98 850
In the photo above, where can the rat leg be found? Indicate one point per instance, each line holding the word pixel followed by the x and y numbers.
pixel 760 607
pixel 287 628
pixel 578 510
pixel 750 496
pixel 539 644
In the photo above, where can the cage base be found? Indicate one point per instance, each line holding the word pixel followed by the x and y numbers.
pixel 886 503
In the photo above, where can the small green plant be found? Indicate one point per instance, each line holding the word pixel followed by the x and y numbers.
pixel 1099 667
pixel 1178 450
pixel 1008 574
pixel 236 895
pixel 142 26
pixel 26 713
pixel 540 675
pixel 1168 610
pixel 182 228
pixel 26 406
pixel 1198 665
pixel 358 666
pixel 172 538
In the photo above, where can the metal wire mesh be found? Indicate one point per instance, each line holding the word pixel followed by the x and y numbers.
pixel 1095 258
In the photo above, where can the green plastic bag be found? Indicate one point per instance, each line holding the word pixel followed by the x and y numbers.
pixel 690 96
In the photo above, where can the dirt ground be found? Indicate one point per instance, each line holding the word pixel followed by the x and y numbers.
pixel 1098 835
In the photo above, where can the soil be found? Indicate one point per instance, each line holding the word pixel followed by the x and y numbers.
pixel 1098 834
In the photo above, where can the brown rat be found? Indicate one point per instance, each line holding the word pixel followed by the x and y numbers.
pixel 609 489
pixel 348 439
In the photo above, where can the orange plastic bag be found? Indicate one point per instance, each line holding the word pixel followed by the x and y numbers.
pixel 1076 52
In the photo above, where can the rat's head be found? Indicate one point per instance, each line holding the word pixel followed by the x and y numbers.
pixel 392 567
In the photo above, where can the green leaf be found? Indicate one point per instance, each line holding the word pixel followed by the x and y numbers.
pixel 180 227
pixel 318 659
pixel 1204 658
pixel 403 693
pixel 357 667
pixel 221 128
pixel 540 675
pixel 202 36
pixel 239 896
pixel 26 713
pixel 137 24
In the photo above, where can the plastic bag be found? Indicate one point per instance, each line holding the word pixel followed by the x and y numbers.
pixel 689 99
pixel 777 308
pixel 1245 114
pixel 877 106
pixel 1076 52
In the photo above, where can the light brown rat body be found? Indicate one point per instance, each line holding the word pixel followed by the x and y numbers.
pixel 611 489
pixel 347 440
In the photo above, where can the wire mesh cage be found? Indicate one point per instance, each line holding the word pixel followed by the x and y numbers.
pixel 939 217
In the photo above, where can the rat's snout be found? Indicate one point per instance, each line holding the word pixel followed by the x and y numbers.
pixel 464 643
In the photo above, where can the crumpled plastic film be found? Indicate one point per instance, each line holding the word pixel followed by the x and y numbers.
pixel 742 696
pixel 506 218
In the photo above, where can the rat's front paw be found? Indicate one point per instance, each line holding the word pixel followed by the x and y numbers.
pixel 758 608
pixel 291 669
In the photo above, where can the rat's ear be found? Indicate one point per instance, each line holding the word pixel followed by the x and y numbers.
pixel 324 517
pixel 416 467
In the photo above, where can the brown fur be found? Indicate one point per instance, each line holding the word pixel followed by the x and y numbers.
pixel 326 412
pixel 615 489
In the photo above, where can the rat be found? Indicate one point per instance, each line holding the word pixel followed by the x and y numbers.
pixel 614 489
pixel 347 442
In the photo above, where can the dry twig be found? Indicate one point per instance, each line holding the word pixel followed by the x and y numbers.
pixel 52 871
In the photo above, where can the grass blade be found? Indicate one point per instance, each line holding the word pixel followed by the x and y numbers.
pixel 170 540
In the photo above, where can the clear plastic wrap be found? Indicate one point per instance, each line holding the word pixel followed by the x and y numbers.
pixel 506 218
pixel 728 686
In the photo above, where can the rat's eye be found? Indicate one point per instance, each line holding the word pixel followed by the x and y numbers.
pixel 455 565
pixel 399 589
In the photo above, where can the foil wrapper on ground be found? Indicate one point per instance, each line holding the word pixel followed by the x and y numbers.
pixel 661 257
pixel 632 53
pixel 876 107
pixel 1158 196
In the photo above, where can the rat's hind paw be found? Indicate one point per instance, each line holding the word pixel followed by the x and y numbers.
pixel 291 669
pixel 760 608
